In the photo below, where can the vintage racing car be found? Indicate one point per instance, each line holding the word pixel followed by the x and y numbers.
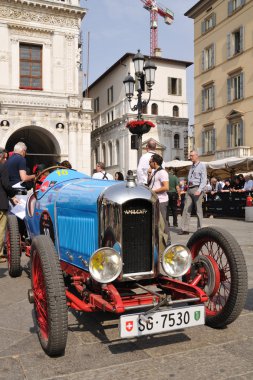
pixel 96 245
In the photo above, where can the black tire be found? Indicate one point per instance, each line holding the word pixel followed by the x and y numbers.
pixel 217 252
pixel 50 303
pixel 13 247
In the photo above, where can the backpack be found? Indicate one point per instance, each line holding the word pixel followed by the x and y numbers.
pixel 104 177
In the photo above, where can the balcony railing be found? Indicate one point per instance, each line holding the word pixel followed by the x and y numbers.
pixel 240 151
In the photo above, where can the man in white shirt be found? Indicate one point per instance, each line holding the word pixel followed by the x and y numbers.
pixel 101 174
pixel 143 166
pixel 158 181
pixel 248 185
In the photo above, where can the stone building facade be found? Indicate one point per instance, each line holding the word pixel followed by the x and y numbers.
pixel 41 99
pixel 223 77
pixel 167 109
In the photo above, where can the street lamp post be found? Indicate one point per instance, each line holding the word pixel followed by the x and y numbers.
pixel 142 69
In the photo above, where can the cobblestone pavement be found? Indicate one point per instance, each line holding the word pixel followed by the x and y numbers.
pixel 94 350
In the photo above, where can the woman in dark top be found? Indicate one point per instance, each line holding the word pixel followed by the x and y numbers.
pixel 119 176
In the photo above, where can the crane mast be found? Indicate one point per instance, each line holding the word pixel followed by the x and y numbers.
pixel 156 9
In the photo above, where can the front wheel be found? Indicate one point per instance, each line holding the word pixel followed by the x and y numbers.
pixel 219 259
pixel 49 296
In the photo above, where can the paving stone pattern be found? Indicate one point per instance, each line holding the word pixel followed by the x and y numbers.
pixel 94 350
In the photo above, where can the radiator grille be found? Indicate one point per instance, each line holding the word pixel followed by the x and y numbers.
pixel 137 236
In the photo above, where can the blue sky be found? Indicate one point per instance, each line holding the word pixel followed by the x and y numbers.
pixel 120 26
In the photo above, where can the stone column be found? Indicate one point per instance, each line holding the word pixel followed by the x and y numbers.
pixel 73 144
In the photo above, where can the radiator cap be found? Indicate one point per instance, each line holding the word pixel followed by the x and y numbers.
pixel 130 181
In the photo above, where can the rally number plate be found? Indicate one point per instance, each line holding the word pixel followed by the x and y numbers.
pixel 132 325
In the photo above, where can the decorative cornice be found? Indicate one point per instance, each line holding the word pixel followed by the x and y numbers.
pixel 16 28
pixel 50 5
pixel 40 16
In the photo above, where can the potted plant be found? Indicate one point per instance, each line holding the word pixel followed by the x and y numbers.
pixel 139 127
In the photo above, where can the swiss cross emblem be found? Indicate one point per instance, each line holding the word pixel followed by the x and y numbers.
pixel 129 326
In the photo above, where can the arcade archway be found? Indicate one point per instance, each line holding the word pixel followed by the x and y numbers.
pixel 42 147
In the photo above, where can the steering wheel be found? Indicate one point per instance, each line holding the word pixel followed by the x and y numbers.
pixel 50 169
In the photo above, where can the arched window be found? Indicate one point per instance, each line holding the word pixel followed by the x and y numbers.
pixel 144 109
pixel 175 111
pixel 154 109
pixel 176 141
pixel 104 154
pixel 109 153
pixel 117 152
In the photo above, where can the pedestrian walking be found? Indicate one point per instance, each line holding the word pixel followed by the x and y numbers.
pixel 197 179
pixel 101 173
pixel 143 165
pixel 158 181
pixel 6 192
pixel 174 195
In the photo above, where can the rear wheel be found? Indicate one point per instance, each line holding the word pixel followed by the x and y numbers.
pixel 13 246
pixel 49 296
pixel 219 259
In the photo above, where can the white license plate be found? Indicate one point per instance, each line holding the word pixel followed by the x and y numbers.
pixel 132 325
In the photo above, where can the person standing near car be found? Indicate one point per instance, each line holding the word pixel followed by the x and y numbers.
pixel 16 165
pixel 6 192
pixel 197 179
pixel 158 181
pixel 174 195
pixel 101 173
pixel 143 165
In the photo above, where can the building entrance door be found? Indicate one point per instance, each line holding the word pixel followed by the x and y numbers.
pixel 42 146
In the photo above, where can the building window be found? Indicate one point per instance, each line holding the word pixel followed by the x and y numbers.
pixel 30 66
pixel 110 95
pixel 117 152
pixel 141 82
pixel 154 109
pixel 175 111
pixel 208 58
pixel 208 140
pixel 235 42
pixel 235 87
pixel 109 153
pixel 208 98
pixel 104 154
pixel 233 5
pixel 176 141
pixel 235 134
pixel 96 105
pixel 144 108
pixel 208 23
pixel 174 86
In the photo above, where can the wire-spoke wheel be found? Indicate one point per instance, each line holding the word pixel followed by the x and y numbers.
pixel 219 259
pixel 49 296
pixel 13 247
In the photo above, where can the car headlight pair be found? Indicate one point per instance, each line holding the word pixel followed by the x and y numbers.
pixel 106 264
pixel 176 260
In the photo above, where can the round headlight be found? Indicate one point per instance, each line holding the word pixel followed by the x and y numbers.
pixel 176 260
pixel 105 265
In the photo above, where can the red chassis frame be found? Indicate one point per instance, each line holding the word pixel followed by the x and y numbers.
pixel 114 302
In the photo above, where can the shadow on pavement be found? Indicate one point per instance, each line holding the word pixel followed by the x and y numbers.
pixel 249 300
